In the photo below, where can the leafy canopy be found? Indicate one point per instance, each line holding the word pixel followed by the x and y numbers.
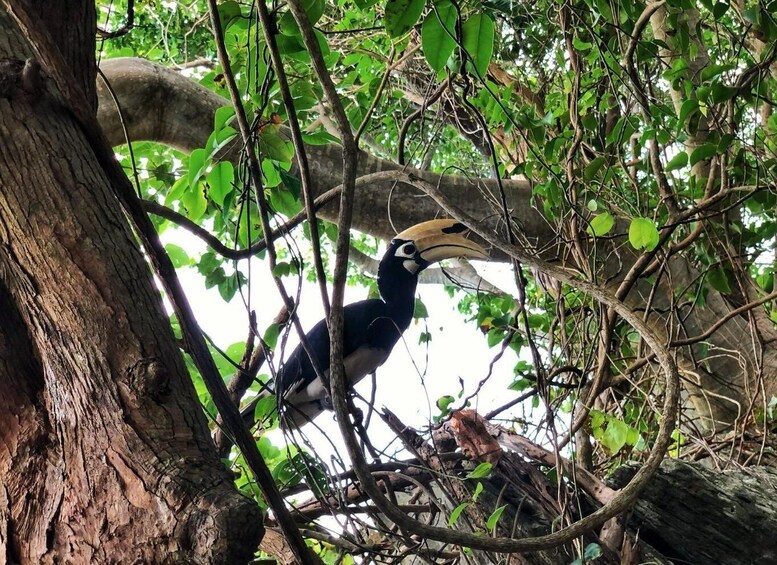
pixel 623 116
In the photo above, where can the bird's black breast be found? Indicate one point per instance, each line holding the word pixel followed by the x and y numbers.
pixel 367 324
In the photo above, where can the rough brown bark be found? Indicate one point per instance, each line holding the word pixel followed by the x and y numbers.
pixel 688 513
pixel 105 455
pixel 29 455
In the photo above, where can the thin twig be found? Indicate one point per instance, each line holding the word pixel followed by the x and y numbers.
pixel 123 30
pixel 719 324
pixel 270 29
pixel 230 252
pixel 376 98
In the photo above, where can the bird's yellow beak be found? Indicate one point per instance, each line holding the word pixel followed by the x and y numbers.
pixel 436 240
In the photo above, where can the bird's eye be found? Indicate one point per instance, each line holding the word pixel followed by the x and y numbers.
pixel 408 249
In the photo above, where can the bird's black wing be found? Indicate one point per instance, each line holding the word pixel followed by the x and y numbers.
pixel 367 324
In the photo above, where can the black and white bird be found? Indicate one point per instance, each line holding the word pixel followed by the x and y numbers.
pixel 371 327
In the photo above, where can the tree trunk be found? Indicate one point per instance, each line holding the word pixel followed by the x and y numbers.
pixel 693 514
pixel 105 454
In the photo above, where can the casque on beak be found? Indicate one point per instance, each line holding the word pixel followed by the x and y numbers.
pixel 436 240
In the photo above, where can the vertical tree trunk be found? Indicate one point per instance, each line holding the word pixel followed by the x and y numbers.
pixel 105 454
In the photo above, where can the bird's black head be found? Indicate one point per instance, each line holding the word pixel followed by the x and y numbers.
pixel 413 250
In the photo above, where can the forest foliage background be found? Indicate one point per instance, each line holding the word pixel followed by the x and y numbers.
pixel 646 133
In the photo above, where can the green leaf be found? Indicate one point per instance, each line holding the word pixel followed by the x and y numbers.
pixel 248 229
pixel 444 402
pixel 478 490
pixel 722 92
pixel 284 201
pixel 286 473
pixel 292 183
pixel 420 311
pixel 622 130
pixel 401 15
pixel 581 45
pixel 481 471
pixel 314 472
pixel 718 279
pixel 319 138
pixel 593 167
pixel 752 15
pixel 218 139
pixel 725 142
pixel 229 13
pixel 495 336
pixel 273 146
pixel 220 180
pixel 178 256
pixel 281 269
pixel 703 152
pixel 236 350
pixel 494 518
pixel 720 9
pixel 228 287
pixel 712 71
pixel 457 512
pixel 679 66
pixel 268 451
pixel 438 34
pixel 615 436
pixel 198 161
pixel 601 224
pixel 314 10
pixel 597 418
pixel 265 407
pixel 195 202
pixel 292 46
pixel 223 116
pixel 478 41
pixel 687 109
pixel 643 234
pixel 208 262
pixel 177 190
pixel 592 551
pixel 271 334
pixel 270 173
pixel 677 162
pixel 215 277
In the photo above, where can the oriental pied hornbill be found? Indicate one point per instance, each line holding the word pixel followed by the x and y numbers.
pixel 371 327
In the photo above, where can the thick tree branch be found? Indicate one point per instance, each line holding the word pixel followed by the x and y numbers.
pixel 158 104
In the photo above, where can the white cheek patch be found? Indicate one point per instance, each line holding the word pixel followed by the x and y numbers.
pixel 411 266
